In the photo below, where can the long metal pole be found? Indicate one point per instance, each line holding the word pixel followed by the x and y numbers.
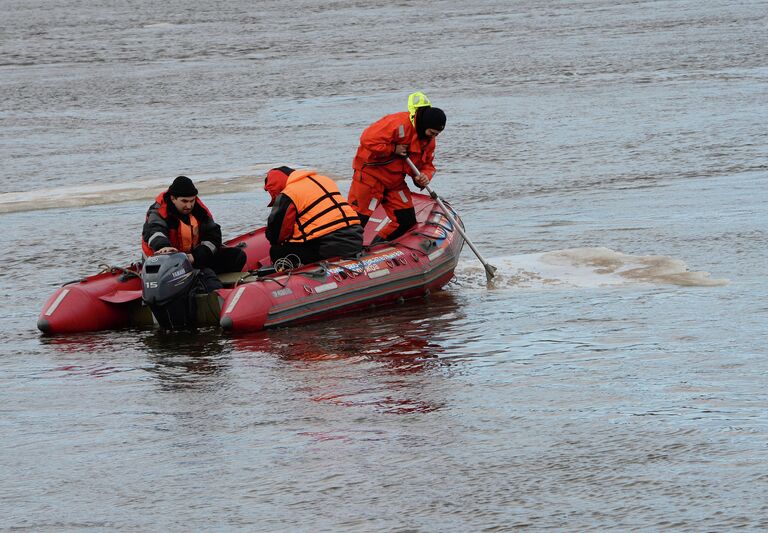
pixel 490 270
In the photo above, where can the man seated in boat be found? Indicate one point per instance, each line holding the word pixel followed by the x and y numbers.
pixel 178 221
pixel 310 219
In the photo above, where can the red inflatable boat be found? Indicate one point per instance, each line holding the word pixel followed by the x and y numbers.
pixel 419 262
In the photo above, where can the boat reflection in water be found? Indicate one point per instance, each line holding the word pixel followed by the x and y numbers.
pixel 379 360
pixel 175 359
pixel 188 359
pixel 383 359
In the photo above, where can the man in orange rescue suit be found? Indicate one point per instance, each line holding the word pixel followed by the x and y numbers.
pixel 179 222
pixel 380 167
pixel 309 218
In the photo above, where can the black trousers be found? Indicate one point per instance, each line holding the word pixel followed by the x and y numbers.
pixel 226 260
pixel 347 242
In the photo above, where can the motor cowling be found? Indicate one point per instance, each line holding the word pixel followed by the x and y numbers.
pixel 169 285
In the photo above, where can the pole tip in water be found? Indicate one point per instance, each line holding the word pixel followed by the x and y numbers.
pixel 490 271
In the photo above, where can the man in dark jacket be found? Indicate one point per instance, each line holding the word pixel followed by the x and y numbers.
pixel 178 221
pixel 310 219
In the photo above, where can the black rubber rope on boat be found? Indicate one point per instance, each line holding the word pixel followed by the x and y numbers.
pixel 422 252
pixel 283 285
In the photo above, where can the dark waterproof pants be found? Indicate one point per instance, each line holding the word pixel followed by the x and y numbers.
pixel 346 243
pixel 226 260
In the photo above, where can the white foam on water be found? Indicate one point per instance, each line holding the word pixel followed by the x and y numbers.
pixel 144 188
pixel 584 267
pixel 159 25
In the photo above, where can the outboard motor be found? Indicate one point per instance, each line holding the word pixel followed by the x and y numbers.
pixel 169 285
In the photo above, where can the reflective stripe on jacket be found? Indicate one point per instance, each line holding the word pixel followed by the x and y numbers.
pixel 377 146
pixel 320 207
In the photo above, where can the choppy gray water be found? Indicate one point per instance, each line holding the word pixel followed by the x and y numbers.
pixel 609 157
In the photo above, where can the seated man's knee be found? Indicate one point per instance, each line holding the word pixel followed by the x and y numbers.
pixel 229 260
pixel 239 258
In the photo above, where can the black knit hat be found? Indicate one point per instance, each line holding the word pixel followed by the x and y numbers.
pixel 433 118
pixel 429 118
pixel 182 187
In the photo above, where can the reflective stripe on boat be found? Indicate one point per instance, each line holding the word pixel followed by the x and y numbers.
pixel 56 302
pixel 326 287
pixel 378 273
pixel 235 299
pixel 435 254
pixel 282 292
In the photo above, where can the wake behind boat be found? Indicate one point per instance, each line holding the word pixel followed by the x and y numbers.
pixel 421 261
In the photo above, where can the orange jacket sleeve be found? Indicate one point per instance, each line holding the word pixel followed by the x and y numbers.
pixel 380 137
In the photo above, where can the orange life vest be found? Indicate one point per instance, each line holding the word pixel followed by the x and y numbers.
pixel 187 235
pixel 184 237
pixel 320 207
